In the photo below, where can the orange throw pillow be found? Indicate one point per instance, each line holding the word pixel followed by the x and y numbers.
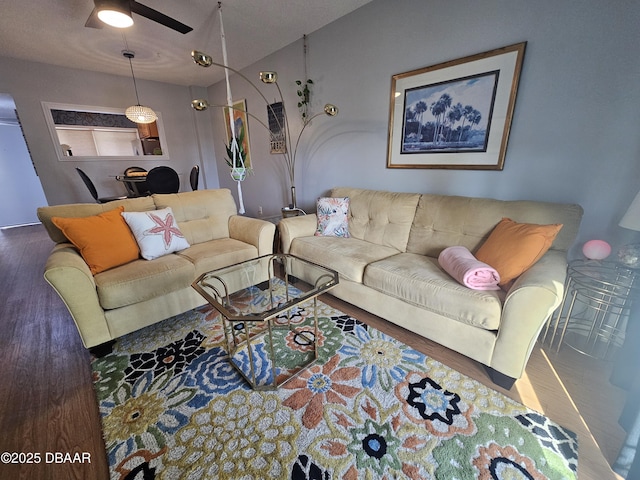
pixel 513 247
pixel 105 240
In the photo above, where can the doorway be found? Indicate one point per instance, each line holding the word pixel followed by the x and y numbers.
pixel 21 192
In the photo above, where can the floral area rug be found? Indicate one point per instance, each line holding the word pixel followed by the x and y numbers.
pixel 371 408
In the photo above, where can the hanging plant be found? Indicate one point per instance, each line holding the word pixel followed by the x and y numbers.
pixel 241 155
pixel 238 170
pixel 304 98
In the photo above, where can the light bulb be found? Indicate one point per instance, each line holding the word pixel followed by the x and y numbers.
pixel 115 18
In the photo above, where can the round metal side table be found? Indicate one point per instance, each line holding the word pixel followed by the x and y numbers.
pixel 593 315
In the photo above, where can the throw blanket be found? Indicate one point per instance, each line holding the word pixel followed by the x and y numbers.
pixel 460 263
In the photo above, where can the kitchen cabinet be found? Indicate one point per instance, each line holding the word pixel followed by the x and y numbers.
pixel 148 130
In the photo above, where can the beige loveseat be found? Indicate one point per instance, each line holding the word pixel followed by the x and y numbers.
pixel 126 298
pixel 389 267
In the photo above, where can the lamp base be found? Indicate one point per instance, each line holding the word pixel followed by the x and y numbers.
pixel 292 212
pixel 629 255
pixel 293 203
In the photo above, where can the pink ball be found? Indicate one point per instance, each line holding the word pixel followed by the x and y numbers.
pixel 596 249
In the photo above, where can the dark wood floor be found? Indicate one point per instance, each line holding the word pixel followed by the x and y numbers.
pixel 47 404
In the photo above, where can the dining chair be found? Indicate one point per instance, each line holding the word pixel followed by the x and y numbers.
pixel 193 177
pixel 135 189
pixel 163 180
pixel 92 189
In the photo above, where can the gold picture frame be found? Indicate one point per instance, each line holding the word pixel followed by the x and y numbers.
pixel 457 114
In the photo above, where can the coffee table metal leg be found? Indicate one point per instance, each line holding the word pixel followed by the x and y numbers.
pixel 272 355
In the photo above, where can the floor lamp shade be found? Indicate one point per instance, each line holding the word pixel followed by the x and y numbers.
pixel 631 218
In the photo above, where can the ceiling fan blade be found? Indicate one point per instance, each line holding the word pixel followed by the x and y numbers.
pixel 161 18
pixel 93 21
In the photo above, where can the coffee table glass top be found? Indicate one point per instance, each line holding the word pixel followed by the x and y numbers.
pixel 236 291
pixel 263 302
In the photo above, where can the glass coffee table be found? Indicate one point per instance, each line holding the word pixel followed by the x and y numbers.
pixel 266 310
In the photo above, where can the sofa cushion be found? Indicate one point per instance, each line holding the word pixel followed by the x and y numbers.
pixel 513 247
pixel 442 221
pixel 104 240
pixel 141 204
pixel 202 215
pixel 143 280
pixel 347 256
pixel 156 232
pixel 380 217
pixel 418 280
pixel 216 254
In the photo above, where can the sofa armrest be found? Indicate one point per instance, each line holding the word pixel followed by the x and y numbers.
pixel 69 275
pixel 292 227
pixel 253 231
pixel 529 303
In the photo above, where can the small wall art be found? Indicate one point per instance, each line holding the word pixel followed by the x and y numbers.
pixel 275 115
pixel 239 123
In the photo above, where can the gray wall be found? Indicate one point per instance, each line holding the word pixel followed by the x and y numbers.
pixel 19 199
pixel 31 83
pixel 574 135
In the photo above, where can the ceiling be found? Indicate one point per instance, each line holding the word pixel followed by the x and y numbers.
pixel 53 32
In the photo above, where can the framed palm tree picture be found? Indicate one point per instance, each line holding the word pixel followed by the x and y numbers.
pixel 455 114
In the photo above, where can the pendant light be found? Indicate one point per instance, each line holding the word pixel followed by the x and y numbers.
pixel 138 113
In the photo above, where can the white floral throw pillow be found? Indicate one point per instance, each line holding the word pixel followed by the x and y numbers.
pixel 333 219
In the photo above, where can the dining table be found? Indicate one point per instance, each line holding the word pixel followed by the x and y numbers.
pixel 132 179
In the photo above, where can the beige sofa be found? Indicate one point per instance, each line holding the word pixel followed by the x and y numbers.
pixel 126 298
pixel 389 267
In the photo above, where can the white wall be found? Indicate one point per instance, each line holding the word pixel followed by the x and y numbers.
pixel 32 83
pixel 574 135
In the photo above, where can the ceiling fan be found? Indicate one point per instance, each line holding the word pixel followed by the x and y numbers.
pixel 118 14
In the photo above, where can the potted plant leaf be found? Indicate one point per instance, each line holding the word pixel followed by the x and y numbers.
pixel 304 98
